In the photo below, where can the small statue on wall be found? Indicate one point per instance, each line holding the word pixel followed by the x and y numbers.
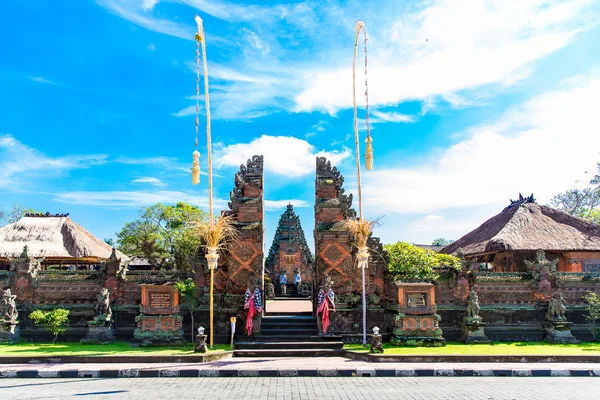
pixel 473 307
pixel 9 307
pixel 103 310
pixel 556 308
pixel 283 282
pixel 325 302
pixel 252 303
pixel 271 290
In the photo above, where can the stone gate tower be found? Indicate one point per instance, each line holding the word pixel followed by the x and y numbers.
pixel 289 249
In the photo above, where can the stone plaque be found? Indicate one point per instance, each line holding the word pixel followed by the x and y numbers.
pixel 159 299
pixel 416 300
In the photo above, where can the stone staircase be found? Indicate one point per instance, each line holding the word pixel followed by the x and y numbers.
pixel 288 335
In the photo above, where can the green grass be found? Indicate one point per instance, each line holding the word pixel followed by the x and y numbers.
pixel 515 348
pixel 113 349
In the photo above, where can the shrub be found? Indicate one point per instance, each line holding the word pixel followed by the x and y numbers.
pixel 407 262
pixel 55 320
pixel 593 309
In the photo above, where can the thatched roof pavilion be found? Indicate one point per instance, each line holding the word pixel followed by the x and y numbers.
pixel 525 227
pixel 56 238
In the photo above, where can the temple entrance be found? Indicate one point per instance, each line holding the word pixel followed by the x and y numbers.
pixel 289 269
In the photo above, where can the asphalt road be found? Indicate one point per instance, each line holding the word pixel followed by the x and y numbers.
pixel 488 388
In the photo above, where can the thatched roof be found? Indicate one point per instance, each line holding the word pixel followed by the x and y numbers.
pixel 54 236
pixel 529 227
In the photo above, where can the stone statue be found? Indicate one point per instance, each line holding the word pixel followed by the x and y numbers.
pixel 9 307
pixel 297 277
pixel 283 281
pixel 473 306
pixel 325 303
pixel 556 308
pixel 103 311
pixel 271 290
pixel 542 271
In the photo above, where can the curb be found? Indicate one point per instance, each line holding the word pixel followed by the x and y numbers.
pixel 346 372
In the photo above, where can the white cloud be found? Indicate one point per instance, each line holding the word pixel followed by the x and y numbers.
pixel 542 146
pixel 283 155
pixel 391 117
pixel 275 205
pixel 148 4
pixel 448 47
pixel 120 199
pixel 150 180
pixel 129 10
pixel 20 163
pixel 39 79
pixel 255 41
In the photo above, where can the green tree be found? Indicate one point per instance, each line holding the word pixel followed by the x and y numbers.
pixel 55 321
pixel 164 235
pixel 593 309
pixel 187 289
pixel 442 242
pixel 109 241
pixel 17 212
pixel 407 262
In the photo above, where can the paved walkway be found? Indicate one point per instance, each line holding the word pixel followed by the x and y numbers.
pixel 286 367
pixel 303 388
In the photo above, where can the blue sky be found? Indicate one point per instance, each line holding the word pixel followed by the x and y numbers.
pixel 472 102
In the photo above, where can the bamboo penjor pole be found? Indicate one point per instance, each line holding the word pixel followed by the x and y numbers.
pixel 361 229
pixel 212 255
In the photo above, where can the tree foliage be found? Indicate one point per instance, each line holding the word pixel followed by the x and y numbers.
pixel 581 203
pixel 17 212
pixel 408 262
pixel 593 309
pixel 442 242
pixel 187 290
pixel 55 320
pixel 164 235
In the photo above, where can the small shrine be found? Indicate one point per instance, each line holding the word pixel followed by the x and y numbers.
pixel 290 261
pixel 417 322
pixel 159 322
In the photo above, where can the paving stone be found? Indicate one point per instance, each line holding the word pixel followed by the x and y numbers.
pixel 483 372
pixel 129 373
pixel 47 373
pixel 560 372
pixel 327 372
pixel 88 373
pixel 247 372
pixel 288 372
pixel 521 372
pixel 211 373
pixel 406 372
pixel 444 372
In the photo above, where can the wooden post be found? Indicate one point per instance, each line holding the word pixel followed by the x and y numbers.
pixel 212 272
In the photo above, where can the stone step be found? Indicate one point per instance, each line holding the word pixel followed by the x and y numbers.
pixel 287 353
pixel 287 338
pixel 278 345
pixel 287 332
pixel 289 324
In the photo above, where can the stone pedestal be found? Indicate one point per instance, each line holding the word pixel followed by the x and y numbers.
pixel 474 331
pixel 99 333
pixel 417 323
pixel 200 344
pixel 9 332
pixel 559 332
pixel 376 344
pixel 159 324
